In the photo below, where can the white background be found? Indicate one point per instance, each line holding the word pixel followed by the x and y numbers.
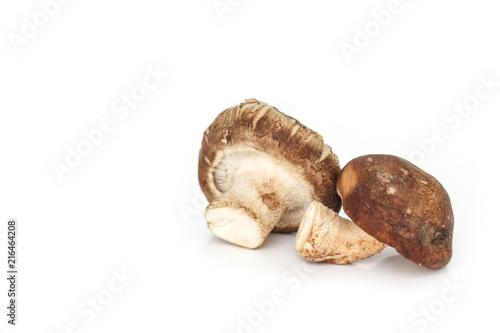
pixel 134 204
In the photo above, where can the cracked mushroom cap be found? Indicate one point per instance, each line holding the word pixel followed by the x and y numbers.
pixel 257 164
pixel 399 205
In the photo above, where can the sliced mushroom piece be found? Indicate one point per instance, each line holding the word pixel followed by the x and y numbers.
pixel 400 205
pixel 323 235
pixel 260 170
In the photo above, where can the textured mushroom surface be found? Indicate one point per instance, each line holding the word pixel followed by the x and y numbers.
pixel 401 206
pixel 323 235
pixel 260 170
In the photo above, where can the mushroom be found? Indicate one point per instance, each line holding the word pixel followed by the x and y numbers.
pixel 323 235
pixel 260 170
pixel 399 205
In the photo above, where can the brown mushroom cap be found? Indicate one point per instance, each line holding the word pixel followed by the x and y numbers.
pixel 399 205
pixel 260 128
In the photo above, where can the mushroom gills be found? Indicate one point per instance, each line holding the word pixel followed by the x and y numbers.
pixel 323 235
pixel 256 192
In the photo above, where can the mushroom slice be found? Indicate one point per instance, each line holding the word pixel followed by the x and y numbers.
pixel 325 236
pixel 260 170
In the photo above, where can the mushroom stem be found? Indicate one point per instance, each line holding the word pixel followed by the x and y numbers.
pixel 325 236
pixel 247 212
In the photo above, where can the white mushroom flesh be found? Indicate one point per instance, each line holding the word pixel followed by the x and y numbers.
pixel 256 190
pixel 323 235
